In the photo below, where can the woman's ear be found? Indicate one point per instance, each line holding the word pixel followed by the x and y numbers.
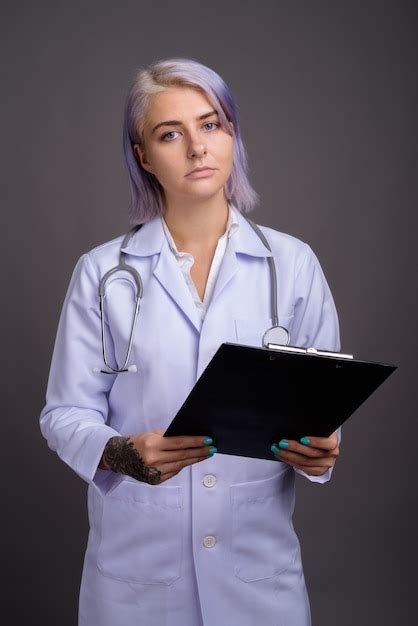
pixel 141 157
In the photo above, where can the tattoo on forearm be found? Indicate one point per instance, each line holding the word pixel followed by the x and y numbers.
pixel 122 457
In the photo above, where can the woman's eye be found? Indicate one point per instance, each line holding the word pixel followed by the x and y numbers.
pixel 215 123
pixel 169 133
pixel 174 131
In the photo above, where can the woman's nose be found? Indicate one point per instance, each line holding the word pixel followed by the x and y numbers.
pixel 196 147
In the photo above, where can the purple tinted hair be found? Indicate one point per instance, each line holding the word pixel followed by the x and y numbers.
pixel 147 195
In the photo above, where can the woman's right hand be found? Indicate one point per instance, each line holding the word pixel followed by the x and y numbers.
pixel 152 458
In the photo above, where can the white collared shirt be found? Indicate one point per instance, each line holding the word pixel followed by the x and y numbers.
pixel 186 260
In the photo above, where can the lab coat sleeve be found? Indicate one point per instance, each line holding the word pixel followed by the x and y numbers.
pixel 315 322
pixel 73 418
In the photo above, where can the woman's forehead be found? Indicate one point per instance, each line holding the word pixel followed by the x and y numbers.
pixel 177 103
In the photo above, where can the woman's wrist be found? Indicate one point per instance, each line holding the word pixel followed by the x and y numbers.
pixel 111 452
pixel 103 464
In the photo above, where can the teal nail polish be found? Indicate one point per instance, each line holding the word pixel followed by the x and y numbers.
pixel 283 444
pixel 305 441
pixel 274 448
pixel 212 451
pixel 207 441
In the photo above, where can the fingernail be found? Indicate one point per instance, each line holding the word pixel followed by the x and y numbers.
pixel 283 444
pixel 305 441
pixel 274 448
pixel 207 441
pixel 212 451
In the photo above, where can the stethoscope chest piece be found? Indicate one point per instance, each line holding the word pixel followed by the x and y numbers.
pixel 278 335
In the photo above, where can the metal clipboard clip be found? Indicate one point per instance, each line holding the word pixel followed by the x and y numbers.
pixel 312 351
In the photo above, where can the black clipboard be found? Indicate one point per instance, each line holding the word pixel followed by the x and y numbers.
pixel 249 397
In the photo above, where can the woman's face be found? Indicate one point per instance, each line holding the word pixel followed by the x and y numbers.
pixel 185 142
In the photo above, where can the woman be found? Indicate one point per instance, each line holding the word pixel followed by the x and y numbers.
pixel 180 535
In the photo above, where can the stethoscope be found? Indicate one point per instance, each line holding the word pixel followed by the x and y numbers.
pixel 277 335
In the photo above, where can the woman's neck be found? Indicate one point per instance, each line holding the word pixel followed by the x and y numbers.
pixel 198 225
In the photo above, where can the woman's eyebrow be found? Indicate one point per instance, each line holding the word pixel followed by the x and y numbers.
pixel 177 122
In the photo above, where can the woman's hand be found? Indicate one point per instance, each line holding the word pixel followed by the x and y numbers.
pixel 152 458
pixel 315 455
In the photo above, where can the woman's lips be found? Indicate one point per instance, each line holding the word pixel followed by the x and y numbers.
pixel 201 173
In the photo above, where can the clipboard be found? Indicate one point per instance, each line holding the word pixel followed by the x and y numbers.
pixel 248 397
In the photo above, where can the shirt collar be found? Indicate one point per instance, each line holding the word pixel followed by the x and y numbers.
pixel 150 239
pixel 231 226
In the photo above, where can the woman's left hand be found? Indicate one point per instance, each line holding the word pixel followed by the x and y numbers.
pixel 314 458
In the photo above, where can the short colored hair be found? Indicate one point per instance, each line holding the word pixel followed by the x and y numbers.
pixel 147 195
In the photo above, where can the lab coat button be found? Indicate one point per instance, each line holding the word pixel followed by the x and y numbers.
pixel 209 480
pixel 209 541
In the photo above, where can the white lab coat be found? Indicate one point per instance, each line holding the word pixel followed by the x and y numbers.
pixel 147 561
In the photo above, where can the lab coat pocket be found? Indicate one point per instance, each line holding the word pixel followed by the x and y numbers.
pixel 250 331
pixel 264 543
pixel 141 533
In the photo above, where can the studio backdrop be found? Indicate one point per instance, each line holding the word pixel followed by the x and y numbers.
pixel 327 98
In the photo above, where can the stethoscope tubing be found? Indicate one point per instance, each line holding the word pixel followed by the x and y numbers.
pixel 139 291
pixel 102 299
pixel 273 273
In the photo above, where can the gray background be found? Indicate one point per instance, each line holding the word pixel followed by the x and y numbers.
pixel 327 98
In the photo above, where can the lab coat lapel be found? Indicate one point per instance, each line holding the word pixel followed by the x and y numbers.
pixel 243 241
pixel 150 240
pixel 227 269
pixel 169 274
